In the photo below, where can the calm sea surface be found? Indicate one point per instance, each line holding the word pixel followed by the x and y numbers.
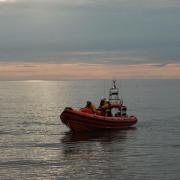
pixel 34 144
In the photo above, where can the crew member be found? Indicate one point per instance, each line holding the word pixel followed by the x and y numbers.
pixel 89 108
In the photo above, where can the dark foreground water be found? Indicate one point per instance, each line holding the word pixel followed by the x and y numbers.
pixel 34 144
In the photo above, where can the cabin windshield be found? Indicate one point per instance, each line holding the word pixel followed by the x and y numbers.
pixel 115 112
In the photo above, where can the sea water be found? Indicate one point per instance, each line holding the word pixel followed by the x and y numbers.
pixel 34 144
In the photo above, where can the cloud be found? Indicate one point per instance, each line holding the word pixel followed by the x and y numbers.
pixel 136 56
pixel 112 3
pixel 117 32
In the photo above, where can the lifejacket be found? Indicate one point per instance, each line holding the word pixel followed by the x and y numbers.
pixel 87 110
pixel 93 107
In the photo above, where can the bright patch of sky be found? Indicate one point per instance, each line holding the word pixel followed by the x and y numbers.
pixel 7 1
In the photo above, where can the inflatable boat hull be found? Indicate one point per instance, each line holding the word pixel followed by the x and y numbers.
pixel 79 121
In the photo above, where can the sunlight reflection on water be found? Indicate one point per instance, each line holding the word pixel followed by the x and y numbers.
pixel 34 144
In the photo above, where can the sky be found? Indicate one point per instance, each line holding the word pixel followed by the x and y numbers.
pixel 89 39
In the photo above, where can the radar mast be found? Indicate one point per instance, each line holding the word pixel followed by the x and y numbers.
pixel 114 94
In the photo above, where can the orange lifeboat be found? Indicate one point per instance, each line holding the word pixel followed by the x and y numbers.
pixel 78 121
pixel 86 120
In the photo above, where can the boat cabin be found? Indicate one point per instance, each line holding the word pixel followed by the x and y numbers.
pixel 117 108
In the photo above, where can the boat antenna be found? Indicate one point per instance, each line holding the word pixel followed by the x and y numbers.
pixel 121 95
pixel 104 88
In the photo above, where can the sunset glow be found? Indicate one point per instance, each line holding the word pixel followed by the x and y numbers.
pixel 29 71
